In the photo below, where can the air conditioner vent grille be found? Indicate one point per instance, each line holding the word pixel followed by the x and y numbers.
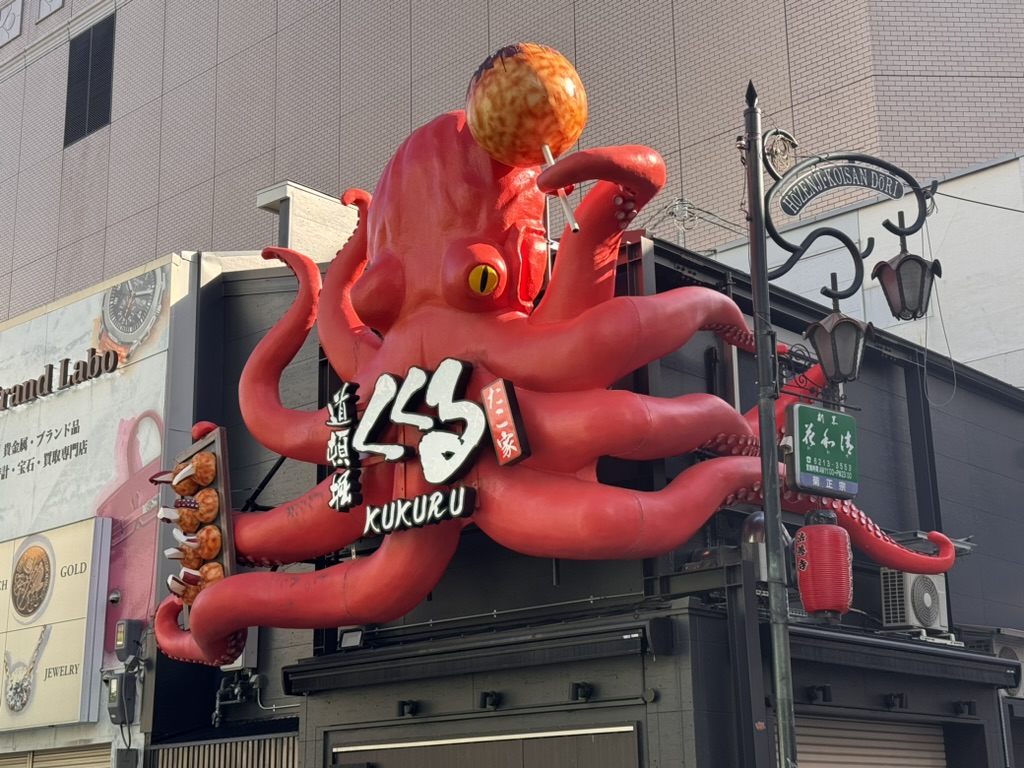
pixel 894 604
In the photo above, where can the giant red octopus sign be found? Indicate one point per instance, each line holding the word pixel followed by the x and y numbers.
pixel 445 265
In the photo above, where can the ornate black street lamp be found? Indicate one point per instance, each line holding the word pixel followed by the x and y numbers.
pixel 906 281
pixel 838 340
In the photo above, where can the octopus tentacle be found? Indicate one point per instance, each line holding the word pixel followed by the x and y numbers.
pixel 870 539
pixel 182 646
pixel 346 340
pixel 298 435
pixel 301 529
pixel 584 272
pixel 865 533
pixel 599 346
pixel 576 519
pixel 632 426
pixel 368 590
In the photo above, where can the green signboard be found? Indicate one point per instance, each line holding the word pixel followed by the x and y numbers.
pixel 823 459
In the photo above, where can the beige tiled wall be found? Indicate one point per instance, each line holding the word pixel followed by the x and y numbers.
pixel 215 99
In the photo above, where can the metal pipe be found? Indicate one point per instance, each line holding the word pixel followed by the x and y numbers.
pixel 273 707
pixel 767 384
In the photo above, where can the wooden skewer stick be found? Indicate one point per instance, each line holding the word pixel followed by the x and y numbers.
pixel 549 160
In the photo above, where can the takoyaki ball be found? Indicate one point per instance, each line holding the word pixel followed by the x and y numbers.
pixel 209 541
pixel 211 573
pixel 209 505
pixel 187 486
pixel 206 468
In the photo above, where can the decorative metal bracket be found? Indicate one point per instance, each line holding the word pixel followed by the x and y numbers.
pixel 778 151
pixel 792 369
pixel 843 169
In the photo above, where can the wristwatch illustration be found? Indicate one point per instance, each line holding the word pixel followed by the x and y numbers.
pixel 130 309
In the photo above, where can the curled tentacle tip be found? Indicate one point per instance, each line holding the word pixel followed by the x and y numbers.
pixel 202 428
pixel 271 252
pixel 947 552
pixel 358 197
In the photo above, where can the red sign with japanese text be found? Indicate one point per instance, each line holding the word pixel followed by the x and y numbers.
pixel 505 421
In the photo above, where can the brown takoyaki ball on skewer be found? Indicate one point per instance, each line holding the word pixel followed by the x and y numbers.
pixel 185 515
pixel 206 541
pixel 184 587
pixel 209 505
pixel 183 486
pixel 211 573
pixel 205 464
pixel 209 539
pixel 187 486
pixel 188 556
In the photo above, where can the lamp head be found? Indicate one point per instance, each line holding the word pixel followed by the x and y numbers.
pixel 838 341
pixel 906 281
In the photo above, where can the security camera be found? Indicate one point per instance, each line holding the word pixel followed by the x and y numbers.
pixel 114 597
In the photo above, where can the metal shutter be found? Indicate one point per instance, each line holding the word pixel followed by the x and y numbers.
pixel 88 757
pixel 277 752
pixel 17 761
pixel 843 744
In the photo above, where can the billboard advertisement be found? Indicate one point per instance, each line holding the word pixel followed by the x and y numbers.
pixel 82 398
pixel 53 588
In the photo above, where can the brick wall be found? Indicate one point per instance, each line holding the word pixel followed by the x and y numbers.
pixel 214 99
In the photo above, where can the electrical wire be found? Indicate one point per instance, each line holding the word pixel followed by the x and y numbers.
pixel 927 245
pixel 980 202
pixel 685 214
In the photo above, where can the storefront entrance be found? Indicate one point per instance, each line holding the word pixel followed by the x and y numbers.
pixel 614 747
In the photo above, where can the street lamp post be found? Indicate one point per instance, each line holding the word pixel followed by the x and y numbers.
pixel 838 339
pixel 764 336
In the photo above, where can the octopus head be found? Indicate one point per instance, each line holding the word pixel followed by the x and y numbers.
pixel 450 226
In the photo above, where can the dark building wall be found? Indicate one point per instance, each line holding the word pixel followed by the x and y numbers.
pixel 1016 739
pixel 252 302
pixel 238 308
pixel 885 453
pixel 979 455
pixel 532 699
pixel 679 699
pixel 490 590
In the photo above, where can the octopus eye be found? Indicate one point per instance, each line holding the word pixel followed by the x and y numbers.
pixel 483 279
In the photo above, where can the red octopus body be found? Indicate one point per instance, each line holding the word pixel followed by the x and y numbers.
pixel 399 295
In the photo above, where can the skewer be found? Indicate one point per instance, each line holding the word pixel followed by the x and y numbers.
pixel 549 160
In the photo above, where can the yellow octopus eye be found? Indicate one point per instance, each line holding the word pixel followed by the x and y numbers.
pixel 483 279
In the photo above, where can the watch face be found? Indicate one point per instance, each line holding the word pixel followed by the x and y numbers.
pixel 30 584
pixel 129 308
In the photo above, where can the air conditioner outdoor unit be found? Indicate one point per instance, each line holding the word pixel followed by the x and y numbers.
pixel 1012 649
pixel 914 601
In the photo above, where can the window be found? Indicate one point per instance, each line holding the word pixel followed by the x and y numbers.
pixel 90 76
pixel 46 7
pixel 10 21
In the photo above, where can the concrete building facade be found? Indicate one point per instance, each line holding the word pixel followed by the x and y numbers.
pixel 212 101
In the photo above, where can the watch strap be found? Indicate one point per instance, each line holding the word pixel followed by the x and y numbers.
pixel 107 344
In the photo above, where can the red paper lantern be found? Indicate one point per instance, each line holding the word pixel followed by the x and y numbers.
pixel 824 566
